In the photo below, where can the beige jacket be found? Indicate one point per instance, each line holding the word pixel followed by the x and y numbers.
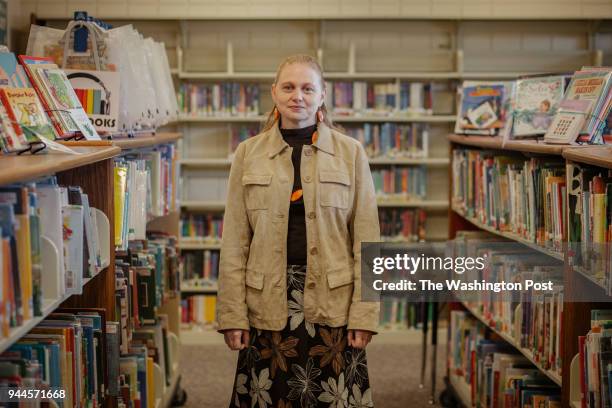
pixel 341 212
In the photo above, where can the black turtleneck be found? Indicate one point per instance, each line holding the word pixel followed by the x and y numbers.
pixel 296 232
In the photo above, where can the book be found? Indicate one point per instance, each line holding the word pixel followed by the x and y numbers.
pixel 483 107
pixel 536 103
pixel 24 110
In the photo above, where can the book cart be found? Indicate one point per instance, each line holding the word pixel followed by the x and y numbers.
pixel 92 170
pixel 576 315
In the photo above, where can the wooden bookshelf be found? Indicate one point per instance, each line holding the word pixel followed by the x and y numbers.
pixel 29 167
pixel 92 171
pixel 147 141
pixel 514 237
pixel 497 143
pixel 576 315
pixel 594 155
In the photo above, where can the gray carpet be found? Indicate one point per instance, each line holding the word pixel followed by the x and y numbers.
pixel 208 375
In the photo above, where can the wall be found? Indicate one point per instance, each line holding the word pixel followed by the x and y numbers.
pixel 427 9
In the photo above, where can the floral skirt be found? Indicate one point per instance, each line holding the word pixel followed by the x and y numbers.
pixel 304 365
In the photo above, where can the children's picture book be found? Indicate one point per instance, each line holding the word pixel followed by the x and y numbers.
pixel 11 73
pixel 537 102
pixel 482 108
pixel 25 109
pixel 64 98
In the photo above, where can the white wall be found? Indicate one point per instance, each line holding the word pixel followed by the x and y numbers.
pixel 431 9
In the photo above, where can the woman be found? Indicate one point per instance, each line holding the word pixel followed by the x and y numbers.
pixel 300 202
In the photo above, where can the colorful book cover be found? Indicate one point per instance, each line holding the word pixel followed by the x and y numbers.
pixel 482 108
pixel 25 108
pixel 63 97
pixel 11 73
pixel 12 138
pixel 537 102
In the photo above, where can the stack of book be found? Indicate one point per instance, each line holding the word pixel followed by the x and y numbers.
pixel 584 111
pixel 225 99
pixel 206 227
pixel 31 213
pixel 200 267
pixel 595 361
pixel 391 140
pixel 536 324
pixel 401 314
pixel 401 182
pixel 145 187
pixel 361 97
pixel 402 225
pixel 590 221
pixel 72 354
pixel 497 376
pixel 200 310
pixel 512 194
pixel 240 134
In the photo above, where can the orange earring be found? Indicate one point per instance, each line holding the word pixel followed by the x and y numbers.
pixel 320 115
pixel 276 113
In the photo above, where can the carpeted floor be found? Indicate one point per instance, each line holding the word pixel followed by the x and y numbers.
pixel 394 367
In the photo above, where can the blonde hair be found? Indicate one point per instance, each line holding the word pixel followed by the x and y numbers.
pixel 298 59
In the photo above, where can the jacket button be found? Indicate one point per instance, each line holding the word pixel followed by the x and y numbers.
pixel 312 285
pixel 307 179
pixel 308 152
pixel 312 215
pixel 313 251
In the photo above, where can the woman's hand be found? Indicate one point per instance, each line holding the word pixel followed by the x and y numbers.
pixel 359 338
pixel 236 339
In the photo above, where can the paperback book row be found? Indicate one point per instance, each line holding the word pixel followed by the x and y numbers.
pixel 74 353
pixel 595 361
pixel 395 225
pixel 145 275
pixel 44 214
pixel 145 186
pixel 361 97
pixel 224 99
pixel 204 227
pixel 400 182
pixel 38 105
pixel 563 109
pixel 130 72
pixel 590 221
pixel 390 140
pixel 532 318
pixel 401 314
pixel 513 194
pixel 200 268
pixel 402 225
pixel 495 373
pixel 199 310
pixel 387 140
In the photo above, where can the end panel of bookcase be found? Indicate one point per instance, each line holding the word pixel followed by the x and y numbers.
pixel 96 180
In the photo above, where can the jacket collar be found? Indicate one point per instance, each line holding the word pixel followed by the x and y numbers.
pixel 276 144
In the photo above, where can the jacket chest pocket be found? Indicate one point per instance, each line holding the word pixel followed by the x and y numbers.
pixel 256 190
pixel 334 189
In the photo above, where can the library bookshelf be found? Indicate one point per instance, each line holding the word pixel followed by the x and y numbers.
pixel 168 224
pixel 92 170
pixel 576 315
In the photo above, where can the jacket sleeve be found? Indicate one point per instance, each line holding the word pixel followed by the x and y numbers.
pixel 364 227
pixel 231 297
